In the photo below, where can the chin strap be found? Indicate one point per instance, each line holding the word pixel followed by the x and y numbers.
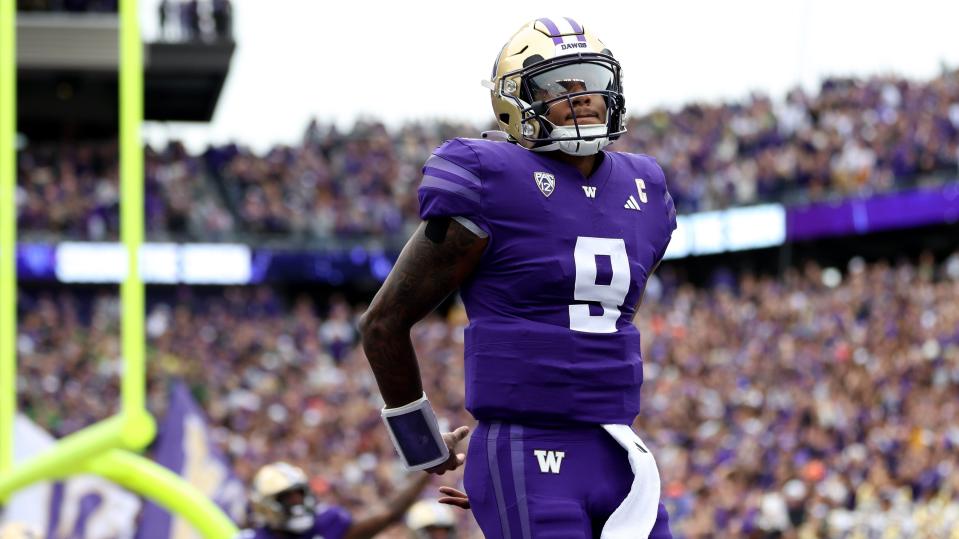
pixel 301 519
pixel 578 147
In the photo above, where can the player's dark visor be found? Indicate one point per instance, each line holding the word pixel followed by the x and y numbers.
pixel 570 78
pixel 292 496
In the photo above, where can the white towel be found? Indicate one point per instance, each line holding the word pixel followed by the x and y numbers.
pixel 635 517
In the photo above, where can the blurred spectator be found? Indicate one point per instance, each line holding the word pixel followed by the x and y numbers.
pixel 223 19
pixel 190 19
pixel 163 14
pixel 805 406
pixel 193 20
pixel 75 6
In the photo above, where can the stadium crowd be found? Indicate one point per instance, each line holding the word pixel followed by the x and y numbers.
pixel 73 193
pixel 853 137
pixel 818 404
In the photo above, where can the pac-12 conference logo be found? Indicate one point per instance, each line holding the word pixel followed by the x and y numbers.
pixel 545 181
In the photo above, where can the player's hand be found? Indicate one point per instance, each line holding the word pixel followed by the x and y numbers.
pixel 456 460
pixel 454 497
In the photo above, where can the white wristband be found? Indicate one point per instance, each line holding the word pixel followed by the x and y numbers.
pixel 416 434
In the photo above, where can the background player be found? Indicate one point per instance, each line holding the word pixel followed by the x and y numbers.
pixel 430 519
pixel 550 241
pixel 284 507
pixel 16 530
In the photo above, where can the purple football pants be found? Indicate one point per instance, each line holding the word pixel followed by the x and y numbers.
pixel 535 483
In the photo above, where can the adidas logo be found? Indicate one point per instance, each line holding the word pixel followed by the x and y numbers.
pixel 631 204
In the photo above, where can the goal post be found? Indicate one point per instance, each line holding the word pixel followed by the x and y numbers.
pixel 105 448
pixel 8 233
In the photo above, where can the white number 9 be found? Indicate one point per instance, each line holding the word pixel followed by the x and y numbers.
pixel 610 296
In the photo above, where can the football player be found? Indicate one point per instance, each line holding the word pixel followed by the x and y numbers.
pixel 429 519
pixel 284 507
pixel 550 240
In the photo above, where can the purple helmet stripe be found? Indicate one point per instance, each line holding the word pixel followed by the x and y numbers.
pixel 576 27
pixel 580 35
pixel 553 30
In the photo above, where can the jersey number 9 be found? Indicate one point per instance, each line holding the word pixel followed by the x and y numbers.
pixel 610 296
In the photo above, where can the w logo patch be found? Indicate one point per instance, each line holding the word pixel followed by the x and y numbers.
pixel 545 181
pixel 549 461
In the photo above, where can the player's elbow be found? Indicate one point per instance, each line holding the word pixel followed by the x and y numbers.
pixel 376 325
pixel 367 325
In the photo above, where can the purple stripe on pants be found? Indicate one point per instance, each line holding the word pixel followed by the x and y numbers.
pixel 497 479
pixel 553 30
pixel 519 476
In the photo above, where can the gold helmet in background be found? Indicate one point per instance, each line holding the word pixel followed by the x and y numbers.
pixel 548 61
pixel 429 519
pixel 16 530
pixel 282 498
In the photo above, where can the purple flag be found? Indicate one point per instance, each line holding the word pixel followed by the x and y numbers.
pixel 80 507
pixel 184 445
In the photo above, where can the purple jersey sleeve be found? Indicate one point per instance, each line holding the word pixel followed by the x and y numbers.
pixel 669 210
pixel 332 522
pixel 452 184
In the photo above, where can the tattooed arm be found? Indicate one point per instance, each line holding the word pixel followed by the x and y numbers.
pixel 428 270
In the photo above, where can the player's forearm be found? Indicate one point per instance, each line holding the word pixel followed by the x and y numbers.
pixel 395 509
pixel 402 501
pixel 393 361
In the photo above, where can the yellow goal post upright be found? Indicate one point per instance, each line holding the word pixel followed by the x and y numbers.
pixel 105 448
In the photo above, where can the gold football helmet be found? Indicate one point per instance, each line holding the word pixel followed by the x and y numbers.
pixel 282 498
pixel 429 519
pixel 16 530
pixel 549 61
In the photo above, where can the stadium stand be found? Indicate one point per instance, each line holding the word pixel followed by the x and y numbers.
pixel 853 138
pixel 72 192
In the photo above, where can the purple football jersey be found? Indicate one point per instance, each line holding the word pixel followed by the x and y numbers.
pixel 331 522
pixel 551 338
